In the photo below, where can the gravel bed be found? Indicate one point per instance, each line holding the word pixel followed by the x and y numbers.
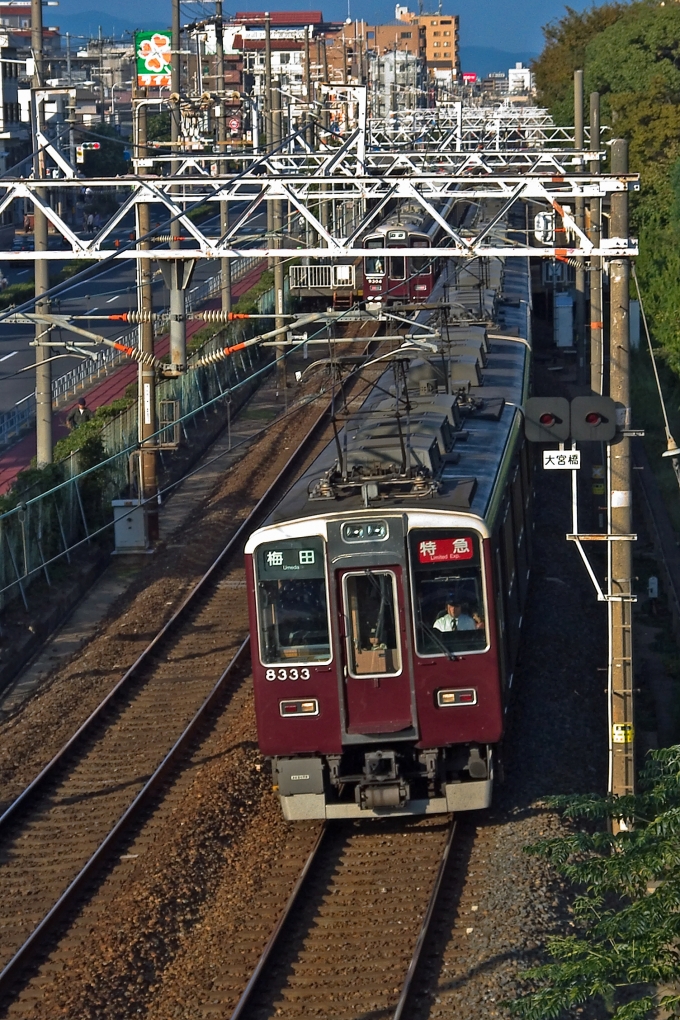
pixel 30 737
pixel 217 859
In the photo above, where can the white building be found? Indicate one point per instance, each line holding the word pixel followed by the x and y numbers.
pixel 520 79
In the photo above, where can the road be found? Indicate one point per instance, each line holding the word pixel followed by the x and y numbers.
pixel 112 291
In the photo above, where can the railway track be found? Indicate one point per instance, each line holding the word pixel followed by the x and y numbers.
pixel 349 940
pixel 56 833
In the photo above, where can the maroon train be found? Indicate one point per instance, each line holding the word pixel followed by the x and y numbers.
pixel 398 278
pixel 386 593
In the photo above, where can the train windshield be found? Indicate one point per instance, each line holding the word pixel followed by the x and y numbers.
pixel 448 595
pixel 291 601
pixel 420 266
pixel 374 265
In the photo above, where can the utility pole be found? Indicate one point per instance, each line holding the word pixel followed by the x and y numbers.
pixel 596 310
pixel 622 769
pixel 146 374
pixel 309 133
pixel 268 79
pixel 267 111
pixel 580 218
pixel 277 226
pixel 175 112
pixel 101 76
pixel 225 264
pixel 43 368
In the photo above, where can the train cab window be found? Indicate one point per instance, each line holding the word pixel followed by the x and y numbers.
pixel 397 267
pixel 291 601
pixel 370 609
pixel 448 594
pixel 374 265
pixel 421 266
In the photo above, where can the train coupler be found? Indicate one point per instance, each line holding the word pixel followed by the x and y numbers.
pixel 382 786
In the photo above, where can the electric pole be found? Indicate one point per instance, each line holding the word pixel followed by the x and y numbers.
pixel 175 111
pixel 622 771
pixel 277 228
pixel 596 310
pixel 43 368
pixel 146 374
pixel 580 218
pixel 225 264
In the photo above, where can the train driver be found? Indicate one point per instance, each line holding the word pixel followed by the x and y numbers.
pixel 456 617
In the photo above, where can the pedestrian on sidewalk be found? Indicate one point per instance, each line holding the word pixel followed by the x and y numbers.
pixel 79 414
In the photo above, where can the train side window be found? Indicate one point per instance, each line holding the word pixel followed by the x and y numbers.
pixel 370 608
pixel 291 602
pixel 397 267
pixel 508 541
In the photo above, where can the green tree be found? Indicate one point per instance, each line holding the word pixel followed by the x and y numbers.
pixel 564 53
pixel 627 912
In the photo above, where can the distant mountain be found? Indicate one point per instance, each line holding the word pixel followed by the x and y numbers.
pixel 483 60
pixel 86 24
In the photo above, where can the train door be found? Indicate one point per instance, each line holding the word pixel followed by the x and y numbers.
pixel 377 686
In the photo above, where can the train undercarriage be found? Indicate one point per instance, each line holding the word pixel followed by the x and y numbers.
pixel 385 781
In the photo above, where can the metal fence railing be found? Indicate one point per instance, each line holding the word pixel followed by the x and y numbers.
pixel 320 277
pixel 46 528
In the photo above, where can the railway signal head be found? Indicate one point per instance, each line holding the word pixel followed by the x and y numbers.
pixel 593 418
pixel 546 419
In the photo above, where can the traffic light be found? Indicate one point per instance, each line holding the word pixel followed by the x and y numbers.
pixel 90 145
pixel 546 419
pixel 593 418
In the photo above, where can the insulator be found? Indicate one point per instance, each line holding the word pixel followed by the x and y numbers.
pixel 217 315
pixel 134 316
pixel 221 355
pixel 140 356
pixel 167 238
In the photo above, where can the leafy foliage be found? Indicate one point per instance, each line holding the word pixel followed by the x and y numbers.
pixel 631 55
pixel 564 53
pixel 627 913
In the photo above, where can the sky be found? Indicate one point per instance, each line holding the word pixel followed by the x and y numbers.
pixel 511 25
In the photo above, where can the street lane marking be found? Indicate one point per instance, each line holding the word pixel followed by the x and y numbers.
pixel 114 298
pixel 9 356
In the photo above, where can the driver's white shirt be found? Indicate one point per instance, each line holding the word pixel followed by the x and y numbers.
pixel 447 623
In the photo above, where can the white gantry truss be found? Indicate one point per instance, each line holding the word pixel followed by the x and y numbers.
pixel 329 215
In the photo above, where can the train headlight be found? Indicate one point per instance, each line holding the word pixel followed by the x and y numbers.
pixel 455 697
pixel 308 706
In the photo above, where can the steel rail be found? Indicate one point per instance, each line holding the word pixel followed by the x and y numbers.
pixel 198 588
pixel 269 948
pixel 9 974
pixel 425 926
pixel 267 952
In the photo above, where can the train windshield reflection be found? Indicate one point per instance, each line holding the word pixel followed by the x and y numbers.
pixel 370 601
pixel 448 592
pixel 292 604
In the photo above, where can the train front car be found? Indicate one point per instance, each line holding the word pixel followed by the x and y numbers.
pixel 395 278
pixel 386 594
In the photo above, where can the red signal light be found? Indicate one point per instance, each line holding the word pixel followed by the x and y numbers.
pixel 547 420
pixel 593 418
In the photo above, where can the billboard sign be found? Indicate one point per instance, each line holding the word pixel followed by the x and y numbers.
pixel 153 53
pixel 469 77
